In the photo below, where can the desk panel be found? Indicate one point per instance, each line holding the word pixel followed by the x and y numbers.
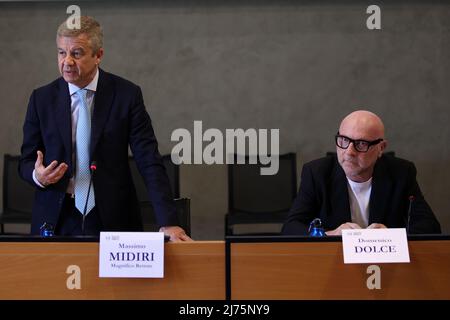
pixel 311 270
pixel 37 270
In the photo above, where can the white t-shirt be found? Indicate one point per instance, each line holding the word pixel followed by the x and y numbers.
pixel 359 196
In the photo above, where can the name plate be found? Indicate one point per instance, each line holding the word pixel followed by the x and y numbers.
pixel 131 255
pixel 375 245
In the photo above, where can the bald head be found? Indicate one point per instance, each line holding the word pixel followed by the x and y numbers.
pixel 368 127
pixel 364 123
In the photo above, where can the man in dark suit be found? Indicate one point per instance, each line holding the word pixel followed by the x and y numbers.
pixel 361 187
pixel 88 117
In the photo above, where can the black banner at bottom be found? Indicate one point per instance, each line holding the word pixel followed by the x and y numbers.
pixel 181 309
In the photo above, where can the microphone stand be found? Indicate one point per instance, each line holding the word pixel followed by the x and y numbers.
pixel 411 199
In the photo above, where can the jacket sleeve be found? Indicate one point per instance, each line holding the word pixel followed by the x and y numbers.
pixel 32 142
pixel 144 146
pixel 304 208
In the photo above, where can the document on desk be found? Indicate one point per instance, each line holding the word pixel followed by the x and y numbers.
pixel 375 245
pixel 131 255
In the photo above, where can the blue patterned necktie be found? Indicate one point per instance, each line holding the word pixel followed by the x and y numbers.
pixel 82 145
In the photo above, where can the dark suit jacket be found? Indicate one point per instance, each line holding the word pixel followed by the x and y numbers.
pixel 119 120
pixel 323 193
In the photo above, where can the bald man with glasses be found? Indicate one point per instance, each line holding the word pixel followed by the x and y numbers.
pixel 360 187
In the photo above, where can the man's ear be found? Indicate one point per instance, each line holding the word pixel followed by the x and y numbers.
pixel 99 55
pixel 383 145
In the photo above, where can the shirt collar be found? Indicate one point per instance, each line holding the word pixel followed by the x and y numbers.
pixel 360 186
pixel 92 86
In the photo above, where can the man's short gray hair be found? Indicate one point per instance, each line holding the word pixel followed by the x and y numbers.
pixel 88 26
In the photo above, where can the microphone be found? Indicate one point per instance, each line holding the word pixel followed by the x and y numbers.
pixel 47 230
pixel 411 199
pixel 92 167
pixel 315 228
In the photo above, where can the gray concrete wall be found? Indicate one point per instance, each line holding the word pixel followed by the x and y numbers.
pixel 297 66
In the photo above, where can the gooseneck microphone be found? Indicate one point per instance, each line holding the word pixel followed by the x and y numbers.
pixel 315 228
pixel 411 199
pixel 92 167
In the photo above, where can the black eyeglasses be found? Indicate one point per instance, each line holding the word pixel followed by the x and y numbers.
pixel 343 142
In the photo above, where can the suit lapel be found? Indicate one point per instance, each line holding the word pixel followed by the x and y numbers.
pixel 102 105
pixel 340 205
pixel 63 116
pixel 381 190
